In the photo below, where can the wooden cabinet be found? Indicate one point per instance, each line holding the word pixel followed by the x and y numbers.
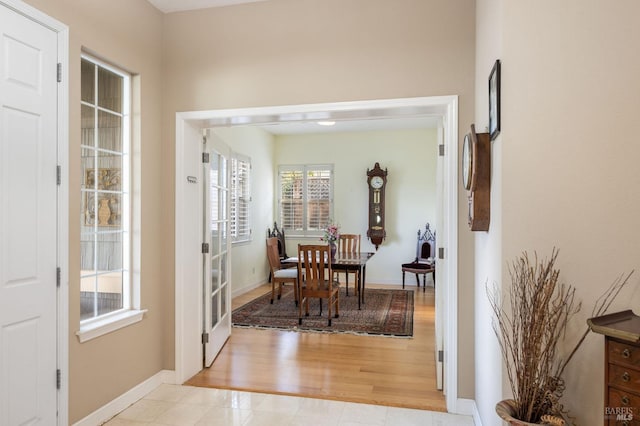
pixel 622 382
pixel 621 367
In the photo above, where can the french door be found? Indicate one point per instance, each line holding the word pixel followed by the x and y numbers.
pixel 216 252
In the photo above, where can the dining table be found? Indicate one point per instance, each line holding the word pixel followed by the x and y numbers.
pixel 353 262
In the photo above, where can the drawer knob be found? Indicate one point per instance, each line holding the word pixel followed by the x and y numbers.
pixel 626 353
pixel 626 377
pixel 625 400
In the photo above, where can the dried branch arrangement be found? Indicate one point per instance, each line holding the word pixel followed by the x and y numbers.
pixel 532 327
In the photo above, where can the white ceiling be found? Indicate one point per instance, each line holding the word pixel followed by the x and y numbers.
pixel 168 6
pixel 350 125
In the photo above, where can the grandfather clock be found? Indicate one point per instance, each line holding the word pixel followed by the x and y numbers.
pixel 377 181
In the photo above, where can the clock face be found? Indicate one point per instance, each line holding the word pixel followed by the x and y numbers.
pixel 467 162
pixel 377 182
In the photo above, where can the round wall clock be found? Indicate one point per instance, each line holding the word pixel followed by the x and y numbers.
pixel 476 177
pixel 467 160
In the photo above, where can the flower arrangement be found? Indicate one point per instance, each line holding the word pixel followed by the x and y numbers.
pixel 331 233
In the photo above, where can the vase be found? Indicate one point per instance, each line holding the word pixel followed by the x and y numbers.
pixel 104 212
pixel 333 249
pixel 506 409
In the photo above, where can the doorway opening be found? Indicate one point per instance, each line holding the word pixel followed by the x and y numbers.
pixel 189 127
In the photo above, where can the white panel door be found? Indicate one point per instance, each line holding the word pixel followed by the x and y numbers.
pixel 440 226
pixel 217 262
pixel 28 209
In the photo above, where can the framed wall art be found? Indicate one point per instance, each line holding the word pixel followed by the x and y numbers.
pixel 494 101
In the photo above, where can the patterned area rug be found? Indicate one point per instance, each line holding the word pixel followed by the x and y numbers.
pixel 386 312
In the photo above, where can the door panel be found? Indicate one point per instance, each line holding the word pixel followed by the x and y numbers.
pixel 28 219
pixel 217 319
pixel 440 270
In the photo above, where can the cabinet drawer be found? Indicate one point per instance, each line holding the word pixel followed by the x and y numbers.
pixel 624 377
pixel 623 408
pixel 623 353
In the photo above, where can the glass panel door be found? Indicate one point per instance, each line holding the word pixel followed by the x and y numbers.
pixel 217 318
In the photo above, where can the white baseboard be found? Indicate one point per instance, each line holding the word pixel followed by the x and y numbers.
pixel 468 407
pixel 134 394
pixel 247 288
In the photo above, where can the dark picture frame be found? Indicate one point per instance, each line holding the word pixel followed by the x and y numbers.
pixel 494 101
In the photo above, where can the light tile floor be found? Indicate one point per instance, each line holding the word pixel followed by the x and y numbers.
pixel 193 406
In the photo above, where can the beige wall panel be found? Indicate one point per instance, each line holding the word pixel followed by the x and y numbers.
pixel 283 52
pixel 569 158
pixel 126 33
pixel 488 245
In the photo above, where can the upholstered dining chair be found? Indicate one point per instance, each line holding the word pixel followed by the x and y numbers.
pixel 280 275
pixel 425 261
pixel 314 264
pixel 349 244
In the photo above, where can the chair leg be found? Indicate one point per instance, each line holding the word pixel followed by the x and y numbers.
pixel 403 279
pixel 273 290
pixel 424 283
pixel 418 280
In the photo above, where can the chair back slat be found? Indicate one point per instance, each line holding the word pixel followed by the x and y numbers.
pixel 349 244
pixel 314 261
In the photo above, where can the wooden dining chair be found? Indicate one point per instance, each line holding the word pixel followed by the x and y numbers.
pixel 349 244
pixel 314 264
pixel 280 275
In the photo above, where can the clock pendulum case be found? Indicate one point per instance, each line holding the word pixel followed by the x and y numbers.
pixel 377 182
pixel 476 178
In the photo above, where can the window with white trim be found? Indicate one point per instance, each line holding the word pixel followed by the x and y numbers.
pixel 240 198
pixel 105 238
pixel 305 198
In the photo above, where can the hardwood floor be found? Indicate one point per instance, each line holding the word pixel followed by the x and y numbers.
pixel 368 369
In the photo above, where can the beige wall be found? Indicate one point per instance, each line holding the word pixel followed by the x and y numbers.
pixel 568 161
pixel 488 266
pixel 126 33
pixel 410 158
pixel 284 52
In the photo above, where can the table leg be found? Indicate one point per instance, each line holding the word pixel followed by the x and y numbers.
pixel 359 284
pixel 364 275
pixel 346 280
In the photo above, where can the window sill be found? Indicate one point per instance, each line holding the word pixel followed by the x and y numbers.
pixel 109 323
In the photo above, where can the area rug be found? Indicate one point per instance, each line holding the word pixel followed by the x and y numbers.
pixel 385 312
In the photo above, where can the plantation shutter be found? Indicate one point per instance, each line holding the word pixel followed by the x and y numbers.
pixel 291 199
pixel 240 198
pixel 318 198
pixel 305 198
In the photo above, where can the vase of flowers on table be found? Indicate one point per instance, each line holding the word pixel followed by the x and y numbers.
pixel 331 234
